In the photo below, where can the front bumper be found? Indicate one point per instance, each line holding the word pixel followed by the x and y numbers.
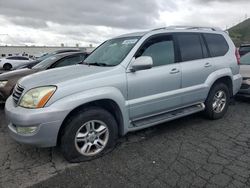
pixel 48 121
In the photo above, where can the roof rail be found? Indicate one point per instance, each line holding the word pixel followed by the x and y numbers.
pixel 189 27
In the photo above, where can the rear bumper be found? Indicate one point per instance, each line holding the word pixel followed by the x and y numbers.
pixel 237 81
pixel 245 89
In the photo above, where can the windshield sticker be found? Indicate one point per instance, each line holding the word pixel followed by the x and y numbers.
pixel 130 41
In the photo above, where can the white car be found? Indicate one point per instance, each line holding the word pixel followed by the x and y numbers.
pixel 13 61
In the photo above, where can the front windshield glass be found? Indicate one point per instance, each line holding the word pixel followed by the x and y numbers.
pixel 112 52
pixel 44 57
pixel 45 63
pixel 245 59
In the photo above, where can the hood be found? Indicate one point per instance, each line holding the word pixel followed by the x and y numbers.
pixel 60 75
pixel 26 65
pixel 245 71
pixel 16 74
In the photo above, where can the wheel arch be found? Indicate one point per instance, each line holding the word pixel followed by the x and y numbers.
pixel 108 104
pixel 227 80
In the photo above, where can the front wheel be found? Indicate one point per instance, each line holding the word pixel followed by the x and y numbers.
pixel 89 134
pixel 217 101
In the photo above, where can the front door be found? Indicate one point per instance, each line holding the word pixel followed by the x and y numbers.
pixel 153 90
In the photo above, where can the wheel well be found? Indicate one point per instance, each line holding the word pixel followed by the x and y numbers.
pixel 106 104
pixel 7 64
pixel 228 81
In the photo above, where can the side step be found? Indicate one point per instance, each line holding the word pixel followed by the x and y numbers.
pixel 167 116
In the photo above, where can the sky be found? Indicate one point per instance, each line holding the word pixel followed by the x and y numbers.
pixel 82 22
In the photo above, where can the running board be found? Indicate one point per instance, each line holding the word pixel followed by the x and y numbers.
pixel 164 117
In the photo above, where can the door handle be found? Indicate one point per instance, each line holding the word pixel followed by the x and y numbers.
pixel 207 65
pixel 174 71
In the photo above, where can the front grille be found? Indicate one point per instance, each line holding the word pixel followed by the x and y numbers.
pixel 17 93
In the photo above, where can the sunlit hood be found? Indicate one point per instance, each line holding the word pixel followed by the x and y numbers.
pixel 59 75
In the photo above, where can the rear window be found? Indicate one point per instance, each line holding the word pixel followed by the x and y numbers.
pixel 245 48
pixel 190 46
pixel 217 44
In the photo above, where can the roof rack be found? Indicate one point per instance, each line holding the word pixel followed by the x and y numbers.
pixel 189 27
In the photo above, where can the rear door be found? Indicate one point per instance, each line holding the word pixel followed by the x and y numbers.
pixel 196 66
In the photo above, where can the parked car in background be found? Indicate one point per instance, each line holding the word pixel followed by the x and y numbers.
pixel 245 72
pixel 11 62
pixel 8 80
pixel 128 83
pixel 43 57
pixel 244 49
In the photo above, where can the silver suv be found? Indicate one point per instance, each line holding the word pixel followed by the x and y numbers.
pixel 128 83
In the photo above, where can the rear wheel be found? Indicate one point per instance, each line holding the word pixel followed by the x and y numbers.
pixel 7 66
pixel 89 134
pixel 217 101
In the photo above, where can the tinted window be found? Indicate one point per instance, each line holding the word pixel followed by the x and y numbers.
pixel 245 60
pixel 160 48
pixel 68 61
pixel 22 58
pixel 18 58
pixel 190 46
pixel 217 44
pixel 245 48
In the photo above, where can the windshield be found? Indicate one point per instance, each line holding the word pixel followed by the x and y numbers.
pixel 112 52
pixel 45 63
pixel 45 57
pixel 245 59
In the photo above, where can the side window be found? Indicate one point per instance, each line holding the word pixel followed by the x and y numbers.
pixel 23 58
pixel 13 58
pixel 68 61
pixel 217 44
pixel 190 46
pixel 160 48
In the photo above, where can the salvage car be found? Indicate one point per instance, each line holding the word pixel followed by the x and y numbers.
pixel 128 83
pixel 8 80
pixel 43 57
pixel 11 62
pixel 244 49
pixel 245 72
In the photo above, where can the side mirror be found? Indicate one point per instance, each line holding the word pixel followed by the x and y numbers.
pixel 141 63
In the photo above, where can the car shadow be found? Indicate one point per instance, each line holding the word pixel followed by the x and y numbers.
pixel 242 99
pixel 2 106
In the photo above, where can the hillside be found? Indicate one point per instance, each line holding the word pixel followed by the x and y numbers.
pixel 240 33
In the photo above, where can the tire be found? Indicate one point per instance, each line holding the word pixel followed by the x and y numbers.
pixel 78 136
pixel 7 66
pixel 215 107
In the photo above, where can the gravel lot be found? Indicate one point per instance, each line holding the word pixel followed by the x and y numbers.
pixel 191 151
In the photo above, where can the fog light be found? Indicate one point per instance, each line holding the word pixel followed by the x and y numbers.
pixel 26 130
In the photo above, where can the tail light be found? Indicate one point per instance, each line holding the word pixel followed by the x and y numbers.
pixel 237 54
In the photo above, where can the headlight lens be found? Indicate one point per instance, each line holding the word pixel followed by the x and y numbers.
pixel 3 83
pixel 37 97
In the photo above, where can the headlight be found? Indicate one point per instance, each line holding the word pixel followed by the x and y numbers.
pixel 37 97
pixel 3 83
